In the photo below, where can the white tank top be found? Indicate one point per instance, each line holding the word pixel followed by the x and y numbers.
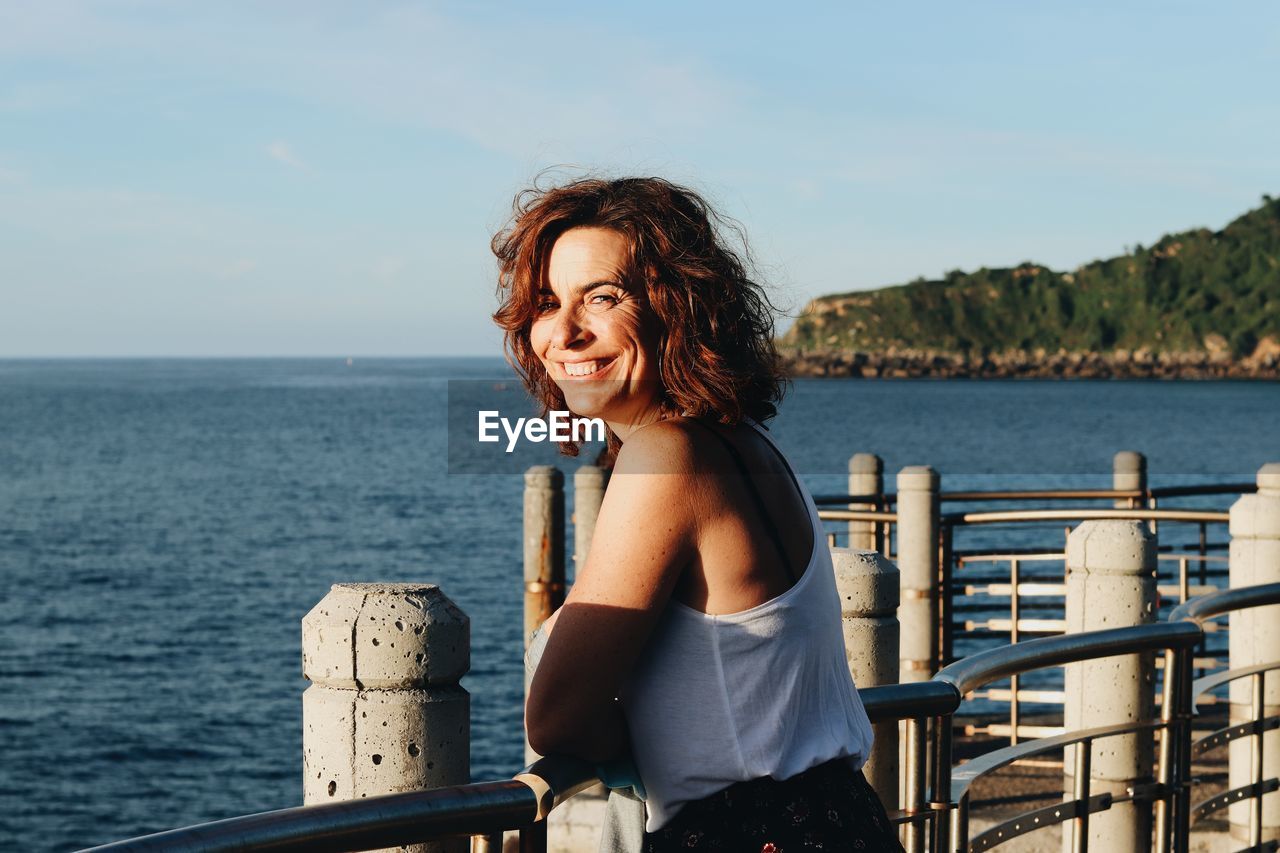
pixel 720 699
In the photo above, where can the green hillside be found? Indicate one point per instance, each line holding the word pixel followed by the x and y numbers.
pixel 1195 291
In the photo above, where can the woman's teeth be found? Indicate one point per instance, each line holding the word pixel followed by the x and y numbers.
pixel 583 368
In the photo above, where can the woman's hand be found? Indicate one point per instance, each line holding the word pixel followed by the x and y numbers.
pixel 645 536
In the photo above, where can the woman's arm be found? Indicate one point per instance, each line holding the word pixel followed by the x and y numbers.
pixel 645 536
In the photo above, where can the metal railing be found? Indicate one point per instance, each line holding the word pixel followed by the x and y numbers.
pixel 936 809
pixel 1044 618
pixel 1171 791
pixel 1200 611
pixel 985 667
pixel 483 811
pixel 1017 589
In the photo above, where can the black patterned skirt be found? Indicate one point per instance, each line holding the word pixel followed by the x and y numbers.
pixel 829 807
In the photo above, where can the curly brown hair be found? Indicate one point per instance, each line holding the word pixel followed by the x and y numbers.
pixel 716 349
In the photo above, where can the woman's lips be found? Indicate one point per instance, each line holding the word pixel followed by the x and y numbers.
pixel 585 369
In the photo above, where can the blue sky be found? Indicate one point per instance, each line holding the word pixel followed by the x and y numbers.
pixel 226 179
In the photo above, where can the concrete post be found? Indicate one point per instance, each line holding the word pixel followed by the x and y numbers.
pixel 1128 472
pixel 868 585
pixel 1111 583
pixel 384 712
pixel 918 564
pixel 866 477
pixel 589 483
pixel 1254 638
pixel 543 544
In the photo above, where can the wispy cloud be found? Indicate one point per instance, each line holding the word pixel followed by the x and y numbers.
pixel 281 152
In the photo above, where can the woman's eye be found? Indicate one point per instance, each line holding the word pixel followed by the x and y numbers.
pixel 544 306
pixel 602 299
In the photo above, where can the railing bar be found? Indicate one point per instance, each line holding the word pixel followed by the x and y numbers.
pixel 1048 494
pixel 855 515
pixel 917 751
pixel 1235 795
pixel 533 838
pixel 1206 489
pixel 1217 679
pixel 1258 680
pixel 1014 601
pixel 1042 555
pixel 942 766
pixel 1080 792
pixel 490 843
pixel 389 820
pixel 1023 515
pixel 1223 736
pixel 1209 606
pixel 964 775
pixel 981 668
pixel 1040 818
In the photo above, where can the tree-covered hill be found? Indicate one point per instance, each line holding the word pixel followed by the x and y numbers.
pixel 1198 291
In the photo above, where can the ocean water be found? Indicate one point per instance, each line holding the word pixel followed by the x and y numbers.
pixel 165 525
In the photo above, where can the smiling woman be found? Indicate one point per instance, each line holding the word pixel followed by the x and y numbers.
pixel 702 636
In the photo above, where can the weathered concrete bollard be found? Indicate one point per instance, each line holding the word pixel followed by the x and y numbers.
pixel 868 585
pixel 1128 473
pixel 918 564
pixel 589 483
pixel 1111 583
pixel 866 477
pixel 384 712
pixel 1254 638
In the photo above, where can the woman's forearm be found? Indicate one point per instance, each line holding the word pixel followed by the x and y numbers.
pixel 601 737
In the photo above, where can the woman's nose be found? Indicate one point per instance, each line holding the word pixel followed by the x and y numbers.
pixel 568 330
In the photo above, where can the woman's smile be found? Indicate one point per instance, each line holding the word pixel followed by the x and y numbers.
pixel 585 369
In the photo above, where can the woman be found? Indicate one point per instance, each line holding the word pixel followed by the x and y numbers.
pixel 702 635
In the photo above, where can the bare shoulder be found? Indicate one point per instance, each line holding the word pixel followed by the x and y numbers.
pixel 671 446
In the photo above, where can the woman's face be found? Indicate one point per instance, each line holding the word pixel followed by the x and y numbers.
pixel 594 332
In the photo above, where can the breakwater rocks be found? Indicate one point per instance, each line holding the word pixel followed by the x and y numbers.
pixel 893 363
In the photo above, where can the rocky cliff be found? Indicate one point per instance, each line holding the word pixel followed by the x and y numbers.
pixel 1199 304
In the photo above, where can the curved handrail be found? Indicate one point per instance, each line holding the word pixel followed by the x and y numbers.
pixel 387 821
pixel 990 665
pixel 1208 682
pixel 484 807
pixel 965 775
pixel 916 699
pixel 1206 607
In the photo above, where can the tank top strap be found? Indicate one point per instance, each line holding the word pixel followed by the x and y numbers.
pixel 770 528
pixel 768 440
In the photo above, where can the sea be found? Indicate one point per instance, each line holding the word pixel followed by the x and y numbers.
pixel 166 524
